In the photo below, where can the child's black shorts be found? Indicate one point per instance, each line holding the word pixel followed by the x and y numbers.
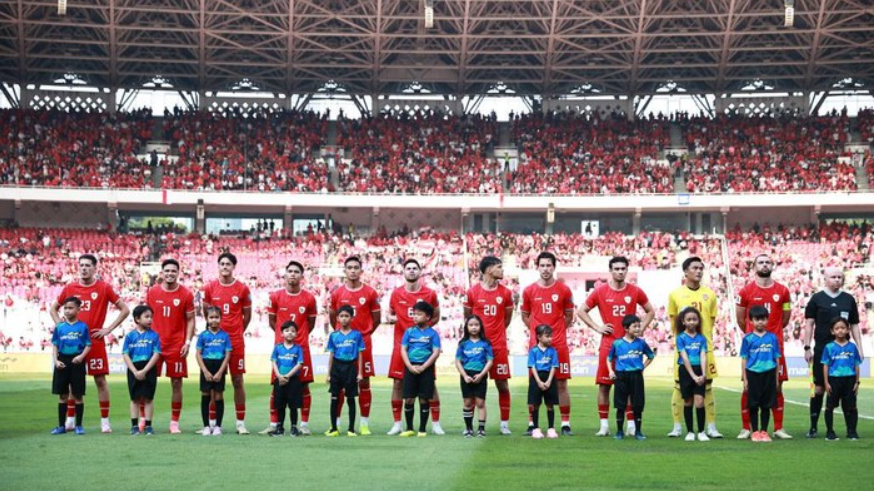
pixel 213 367
pixel 69 380
pixel 469 391
pixel 688 387
pixel 142 389
pixel 536 396
pixel 629 385
pixel 419 385
pixel 288 395
pixel 344 377
pixel 842 392
pixel 762 392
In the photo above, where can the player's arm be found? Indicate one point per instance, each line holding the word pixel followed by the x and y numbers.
pixel 460 368
pixel 610 369
pixel 84 354
pixel 406 358
pixel 128 362
pixel 649 315
pixel 152 361
pixel 332 317
pixel 199 357
pixel 376 318
pixel 311 321
pixel 247 317
pixel 225 362
pixel 740 315
pixel 467 312
pixel 508 316
pixel 123 312
pixel 489 363
pixel 435 353
pixel 189 333
pixel 569 318
pixel 435 319
pixel 743 373
pixel 583 315
pixel 809 326
pixel 857 338
pixel 58 363
pixel 551 376
pixel 330 363
pixel 526 319
pixel 271 321
pixel 856 385
pixel 53 312
pixel 276 371
pixel 828 388
pixel 293 371
pixel 647 359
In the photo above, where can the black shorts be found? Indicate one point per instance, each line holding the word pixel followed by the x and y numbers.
pixel 70 379
pixel 536 396
pixel 688 387
pixel 478 391
pixel 288 395
pixel 213 367
pixel 419 385
pixel 344 378
pixel 762 392
pixel 142 389
pixel 842 392
pixel 629 385
pixel 816 366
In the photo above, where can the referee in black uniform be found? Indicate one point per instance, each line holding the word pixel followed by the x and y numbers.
pixel 824 306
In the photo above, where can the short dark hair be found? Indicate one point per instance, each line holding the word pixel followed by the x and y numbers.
pixel 352 259
pixel 616 260
pixel 413 261
pixel 837 320
pixel 346 308
pixel 170 261
pixel 691 260
pixel 89 257
pixel 487 262
pixel 287 324
pixel 425 308
pixel 296 264
pixel 139 310
pixel 547 255
pixel 628 320
pixel 543 329
pixel 759 312
pixel 73 300
pixel 213 308
pixel 230 257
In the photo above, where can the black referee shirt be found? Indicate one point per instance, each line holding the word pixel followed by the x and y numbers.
pixel 822 308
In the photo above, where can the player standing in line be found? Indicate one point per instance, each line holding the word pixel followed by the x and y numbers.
pixel 96 296
pixel 774 297
pixel 173 307
pixel 614 300
pixel 551 302
pixel 234 300
pixel 401 303
pixel 365 302
pixel 840 371
pixel 493 303
pixel 142 350
pixel 703 299
pixel 70 346
pixel 823 307
pixel 297 305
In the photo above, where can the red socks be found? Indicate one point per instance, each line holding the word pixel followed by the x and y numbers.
pixel 397 406
pixel 745 412
pixel 241 412
pixel 565 413
pixel 778 412
pixel 307 404
pixel 603 411
pixel 104 409
pixel 504 402
pixel 629 413
pixel 71 408
pixel 274 419
pixel 211 411
pixel 365 398
pixel 142 410
pixel 175 411
pixel 435 411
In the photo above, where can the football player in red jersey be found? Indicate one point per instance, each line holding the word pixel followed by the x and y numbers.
pixel 295 304
pixel 401 313
pixel 368 315
pixel 493 303
pixel 766 292
pixel 173 307
pixel 549 301
pixel 96 296
pixel 234 299
pixel 614 300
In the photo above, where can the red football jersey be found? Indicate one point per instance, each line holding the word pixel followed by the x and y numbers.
pixel 490 306
pixel 299 308
pixel 231 299
pixel 95 298
pixel 402 302
pixel 614 305
pixel 169 319
pixel 548 305
pixel 364 300
pixel 775 299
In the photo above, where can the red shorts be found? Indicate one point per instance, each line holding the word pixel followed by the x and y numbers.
pixel 603 375
pixel 176 366
pixel 367 359
pixel 97 361
pixel 564 363
pixel 237 365
pixel 501 366
pixel 784 372
pixel 396 367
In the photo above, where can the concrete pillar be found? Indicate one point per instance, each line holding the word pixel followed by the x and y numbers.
pixel 635 222
pixel 288 220
pixel 374 220
pixel 112 216
pixel 487 222
pixel 698 223
pixel 550 219
pixel 200 217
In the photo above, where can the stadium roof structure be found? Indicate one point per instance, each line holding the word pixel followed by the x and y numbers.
pixel 546 47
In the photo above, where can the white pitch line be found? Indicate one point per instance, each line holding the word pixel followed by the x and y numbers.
pixel 802 404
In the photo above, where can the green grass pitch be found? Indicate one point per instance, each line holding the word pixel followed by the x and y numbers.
pixel 33 459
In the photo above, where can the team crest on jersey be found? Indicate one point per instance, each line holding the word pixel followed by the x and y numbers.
pixel 362 300
pixel 93 295
pixel 704 297
pixel 500 300
pixel 175 302
pixel 776 297
pixel 302 310
pixel 555 297
pixel 627 299
pixel 235 299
